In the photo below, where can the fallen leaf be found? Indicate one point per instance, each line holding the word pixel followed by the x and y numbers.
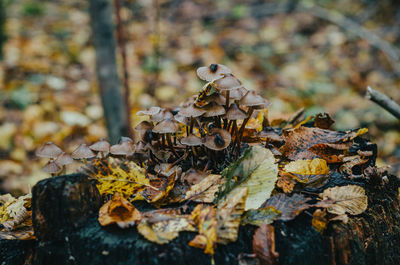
pixel 256 170
pixel 346 199
pixel 205 191
pixel 120 211
pixel 350 162
pixel 114 175
pixel 316 166
pixel 289 207
pixel 319 221
pixel 286 182
pixel 163 229
pixel 264 244
pixel 205 218
pixel 229 212
pixel 260 216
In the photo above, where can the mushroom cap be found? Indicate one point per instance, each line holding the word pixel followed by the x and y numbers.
pixel 162 115
pixel 144 126
pixel 52 167
pixel 191 140
pixel 213 109
pixel 82 152
pixel 63 159
pixel 238 93
pixel 141 147
pixel 191 111
pixel 125 148
pixel 182 119
pixel 212 72
pixel 218 139
pixel 150 111
pixel 167 126
pixel 227 82
pixel 253 99
pixel 100 146
pixel 235 113
pixel 125 139
pixel 48 150
pixel 193 176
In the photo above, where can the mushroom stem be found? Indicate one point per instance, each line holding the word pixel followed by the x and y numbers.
pixel 171 145
pixel 187 130
pixel 163 140
pixel 227 99
pixel 191 124
pixel 194 151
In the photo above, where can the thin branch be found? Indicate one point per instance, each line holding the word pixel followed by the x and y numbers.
pixel 384 101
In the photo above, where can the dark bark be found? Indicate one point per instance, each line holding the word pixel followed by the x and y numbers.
pixel 115 109
pixel 370 238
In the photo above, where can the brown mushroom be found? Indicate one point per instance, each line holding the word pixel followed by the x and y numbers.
pixel 150 111
pixel 144 129
pixel 226 84
pixel 212 72
pixel 167 127
pixel 124 148
pixel 191 111
pixel 233 114
pixel 162 115
pixel 192 141
pixel 64 159
pixel 253 101
pixel 213 110
pixel 52 168
pixel 48 150
pixel 101 146
pixel 218 139
pixel 82 152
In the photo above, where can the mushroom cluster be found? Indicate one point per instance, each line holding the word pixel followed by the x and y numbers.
pixel 207 129
pixel 204 133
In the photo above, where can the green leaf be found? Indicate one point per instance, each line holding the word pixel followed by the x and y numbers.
pixel 259 216
pixel 255 169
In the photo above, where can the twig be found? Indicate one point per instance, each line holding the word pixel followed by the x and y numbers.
pixel 383 101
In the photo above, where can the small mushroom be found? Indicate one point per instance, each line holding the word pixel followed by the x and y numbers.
pixel 213 110
pixel 227 83
pixel 150 111
pixel 64 159
pixel 162 115
pixel 48 150
pixel 191 140
pixel 145 131
pixel 52 168
pixel 167 127
pixel 82 152
pixel 253 101
pixel 212 72
pixel 124 148
pixel 238 93
pixel 233 114
pixel 193 176
pixel 218 139
pixel 191 111
pixel 101 146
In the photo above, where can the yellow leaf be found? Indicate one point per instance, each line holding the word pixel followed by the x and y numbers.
pixel 205 218
pixel 229 212
pixel 350 199
pixel 316 166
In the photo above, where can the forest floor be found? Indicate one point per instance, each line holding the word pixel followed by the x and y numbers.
pixel 48 90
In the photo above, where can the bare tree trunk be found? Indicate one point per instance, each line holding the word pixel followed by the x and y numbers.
pixel 114 106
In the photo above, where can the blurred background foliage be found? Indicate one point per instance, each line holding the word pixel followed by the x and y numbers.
pixel 319 55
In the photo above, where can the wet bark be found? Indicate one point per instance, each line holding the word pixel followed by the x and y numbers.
pixel 72 235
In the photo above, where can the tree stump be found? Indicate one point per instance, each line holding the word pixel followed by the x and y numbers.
pixel 65 222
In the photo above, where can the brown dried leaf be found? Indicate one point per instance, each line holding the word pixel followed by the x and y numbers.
pixel 350 199
pixel 205 219
pixel 286 182
pixel 264 244
pixel 332 153
pixel 289 207
pixel 229 212
pixel 259 216
pixel 350 162
pixel 119 211
pixel 299 140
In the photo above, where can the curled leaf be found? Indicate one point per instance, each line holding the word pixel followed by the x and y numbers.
pixel 289 207
pixel 205 191
pixel 205 218
pixel 120 211
pixel 346 199
pixel 264 244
